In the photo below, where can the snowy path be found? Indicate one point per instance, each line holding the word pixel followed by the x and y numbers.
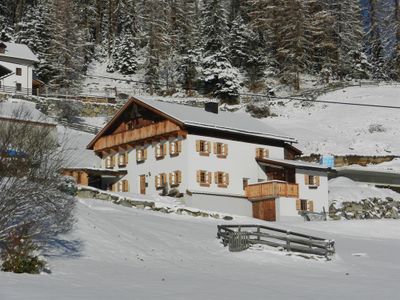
pixel 134 254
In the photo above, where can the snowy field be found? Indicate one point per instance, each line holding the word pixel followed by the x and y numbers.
pixel 341 129
pixel 123 253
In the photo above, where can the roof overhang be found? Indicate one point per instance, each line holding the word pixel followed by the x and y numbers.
pixel 5 72
pixel 131 101
pixel 285 163
pixel 98 172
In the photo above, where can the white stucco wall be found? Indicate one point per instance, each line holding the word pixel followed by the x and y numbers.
pixel 25 79
pixel 240 163
pixel 286 209
pixel 220 203
pixel 152 167
pixel 317 194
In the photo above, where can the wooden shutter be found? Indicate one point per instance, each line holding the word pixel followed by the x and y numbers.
pixel 215 148
pixel 225 149
pixel 126 157
pixel 171 179
pixel 208 147
pixel 125 185
pixel 164 179
pixel 317 180
pixel 226 179
pixel 265 153
pixel 164 149
pixel 310 206
pixel 113 161
pixel 306 179
pixel 139 155
pixel 209 178
pixel 157 181
pixel 198 145
pixel 258 154
pixel 144 152
pixel 178 175
pixel 216 177
pixel 179 146
pixel 198 176
pixel 113 187
pixel 298 204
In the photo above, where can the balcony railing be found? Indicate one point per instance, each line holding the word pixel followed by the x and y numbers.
pixel 135 135
pixel 272 189
pixel 13 90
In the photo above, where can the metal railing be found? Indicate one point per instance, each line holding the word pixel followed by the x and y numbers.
pixel 240 237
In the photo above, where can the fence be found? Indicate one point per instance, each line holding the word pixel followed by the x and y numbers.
pixel 81 127
pixel 240 237
pixel 15 90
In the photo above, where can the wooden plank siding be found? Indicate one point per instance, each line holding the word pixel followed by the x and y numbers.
pixel 272 189
pixel 130 136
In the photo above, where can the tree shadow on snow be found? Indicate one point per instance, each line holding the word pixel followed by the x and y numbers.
pixel 59 247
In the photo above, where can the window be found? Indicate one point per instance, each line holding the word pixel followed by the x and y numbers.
pixel 305 205
pixel 18 87
pixel 123 186
pixel 122 159
pixel 175 148
pixel 203 147
pixel 311 181
pixel 262 153
pixel 18 72
pixel 221 179
pixel 175 178
pixel 161 150
pixel 141 155
pixel 161 181
pixel 110 162
pixel 245 183
pixel 221 150
pixel 204 178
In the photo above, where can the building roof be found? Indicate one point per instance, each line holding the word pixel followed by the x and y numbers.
pixel 23 111
pixel 297 164
pixel 19 51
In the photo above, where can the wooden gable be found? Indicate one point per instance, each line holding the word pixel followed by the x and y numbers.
pixel 134 122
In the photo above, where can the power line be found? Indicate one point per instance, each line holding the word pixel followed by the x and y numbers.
pixel 264 95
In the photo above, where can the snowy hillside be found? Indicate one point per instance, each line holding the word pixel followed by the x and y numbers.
pixel 122 253
pixel 342 129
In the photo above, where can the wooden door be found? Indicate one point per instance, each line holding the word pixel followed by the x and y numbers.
pixel 264 210
pixel 143 184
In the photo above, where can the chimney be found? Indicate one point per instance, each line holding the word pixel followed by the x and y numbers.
pixel 211 107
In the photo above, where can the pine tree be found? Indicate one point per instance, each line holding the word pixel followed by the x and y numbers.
pixel 127 58
pixel 219 77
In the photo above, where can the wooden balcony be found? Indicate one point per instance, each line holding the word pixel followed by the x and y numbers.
pixel 272 189
pixel 131 136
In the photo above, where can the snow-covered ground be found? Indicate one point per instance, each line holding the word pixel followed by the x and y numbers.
pixel 344 189
pixel 123 253
pixel 342 129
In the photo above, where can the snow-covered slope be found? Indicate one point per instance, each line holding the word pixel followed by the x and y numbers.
pixel 122 253
pixel 344 189
pixel 342 129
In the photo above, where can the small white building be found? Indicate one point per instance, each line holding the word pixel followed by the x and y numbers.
pixel 16 68
pixel 219 161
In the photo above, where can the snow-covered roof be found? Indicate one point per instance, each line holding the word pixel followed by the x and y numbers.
pixel 20 51
pixel 23 110
pixel 226 121
pixel 298 164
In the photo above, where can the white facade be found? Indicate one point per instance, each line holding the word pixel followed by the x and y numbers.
pixel 19 60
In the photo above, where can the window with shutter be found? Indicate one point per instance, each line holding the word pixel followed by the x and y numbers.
pixel 160 151
pixel 204 178
pixel 175 178
pixel 161 181
pixel 221 150
pixel 221 179
pixel 141 155
pixel 311 180
pixel 262 153
pixel 303 205
pixel 122 159
pixel 125 186
pixel 203 147
pixel 175 148
pixel 110 162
